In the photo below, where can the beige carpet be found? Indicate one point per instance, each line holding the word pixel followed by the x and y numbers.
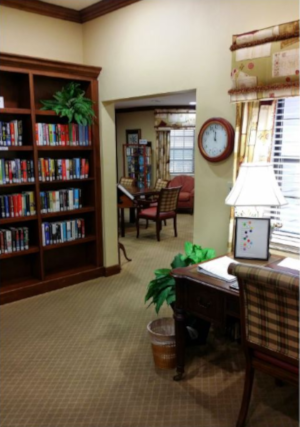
pixel 81 357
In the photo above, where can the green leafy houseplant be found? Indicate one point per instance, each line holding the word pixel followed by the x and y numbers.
pixel 162 288
pixel 70 102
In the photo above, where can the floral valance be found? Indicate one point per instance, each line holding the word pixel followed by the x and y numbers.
pixel 174 119
pixel 265 63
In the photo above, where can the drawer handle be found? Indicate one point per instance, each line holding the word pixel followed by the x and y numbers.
pixel 204 304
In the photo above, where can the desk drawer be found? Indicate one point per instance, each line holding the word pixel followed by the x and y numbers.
pixel 206 303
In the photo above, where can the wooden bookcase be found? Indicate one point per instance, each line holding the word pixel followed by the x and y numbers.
pixel 24 81
pixel 137 164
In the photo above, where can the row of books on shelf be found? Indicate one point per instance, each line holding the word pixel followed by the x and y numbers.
pixel 64 135
pixel 138 160
pixel 63 231
pixel 14 240
pixel 138 151
pixel 11 133
pixel 60 201
pixel 64 169
pixel 16 171
pixel 17 205
pixel 23 204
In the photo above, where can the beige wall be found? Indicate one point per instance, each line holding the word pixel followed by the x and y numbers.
pixel 143 120
pixel 154 47
pixel 24 33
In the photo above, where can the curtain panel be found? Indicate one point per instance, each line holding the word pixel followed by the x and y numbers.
pixel 265 63
pixel 253 142
pixel 163 154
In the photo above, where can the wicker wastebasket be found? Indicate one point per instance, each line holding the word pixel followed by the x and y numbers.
pixel 162 334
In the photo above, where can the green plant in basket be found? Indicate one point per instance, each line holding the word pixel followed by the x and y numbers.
pixel 162 288
pixel 70 102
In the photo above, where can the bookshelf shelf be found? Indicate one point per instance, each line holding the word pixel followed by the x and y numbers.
pixel 71 243
pixel 17 184
pixel 24 82
pixel 67 213
pixel 67 148
pixel 31 250
pixel 66 181
pixel 5 221
pixel 17 148
pixel 45 113
pixel 15 111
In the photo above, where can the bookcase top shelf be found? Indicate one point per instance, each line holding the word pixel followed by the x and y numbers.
pixel 25 111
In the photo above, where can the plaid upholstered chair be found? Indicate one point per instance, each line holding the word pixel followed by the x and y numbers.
pixel 166 208
pixel 269 302
pixel 127 181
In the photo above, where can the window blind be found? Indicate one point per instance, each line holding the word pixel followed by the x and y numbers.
pixel 182 151
pixel 286 163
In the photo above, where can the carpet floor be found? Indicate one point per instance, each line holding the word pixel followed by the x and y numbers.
pixel 81 357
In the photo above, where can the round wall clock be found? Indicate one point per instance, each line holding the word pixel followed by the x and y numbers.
pixel 216 139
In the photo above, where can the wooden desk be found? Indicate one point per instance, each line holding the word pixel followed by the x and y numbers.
pixel 124 202
pixel 206 297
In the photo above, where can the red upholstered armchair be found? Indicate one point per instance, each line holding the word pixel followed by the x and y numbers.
pixel 186 195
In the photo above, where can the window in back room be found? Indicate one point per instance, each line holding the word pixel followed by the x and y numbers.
pixel 182 143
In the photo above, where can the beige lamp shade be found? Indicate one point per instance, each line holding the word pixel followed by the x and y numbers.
pixel 256 185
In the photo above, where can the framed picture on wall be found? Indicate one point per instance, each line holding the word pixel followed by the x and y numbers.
pixel 252 237
pixel 133 136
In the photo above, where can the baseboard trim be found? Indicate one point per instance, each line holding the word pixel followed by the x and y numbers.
pixel 111 271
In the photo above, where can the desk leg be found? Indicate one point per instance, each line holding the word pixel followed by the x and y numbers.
pixel 180 322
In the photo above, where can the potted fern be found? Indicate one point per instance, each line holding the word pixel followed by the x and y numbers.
pixel 71 102
pixel 162 290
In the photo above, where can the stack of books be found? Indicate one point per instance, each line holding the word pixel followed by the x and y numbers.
pixel 14 240
pixel 62 200
pixel 64 169
pixel 11 134
pixel 63 231
pixel 17 205
pixel 64 135
pixel 16 171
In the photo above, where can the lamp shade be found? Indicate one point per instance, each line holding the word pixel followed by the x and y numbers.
pixel 256 185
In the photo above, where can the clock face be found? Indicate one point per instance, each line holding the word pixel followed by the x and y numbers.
pixel 214 140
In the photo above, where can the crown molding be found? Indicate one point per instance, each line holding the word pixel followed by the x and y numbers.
pixel 84 15
pixel 46 9
pixel 102 8
pixel 27 62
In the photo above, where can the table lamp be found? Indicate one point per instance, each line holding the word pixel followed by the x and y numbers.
pixel 256 186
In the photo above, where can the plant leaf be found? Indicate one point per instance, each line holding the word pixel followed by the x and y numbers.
pixel 178 262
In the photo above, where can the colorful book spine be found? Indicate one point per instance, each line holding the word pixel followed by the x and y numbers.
pixel 14 239
pixel 62 231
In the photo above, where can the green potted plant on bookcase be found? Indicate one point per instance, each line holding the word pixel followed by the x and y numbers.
pixel 70 102
pixel 161 290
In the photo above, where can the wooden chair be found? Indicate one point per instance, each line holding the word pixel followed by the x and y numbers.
pixel 269 302
pixel 166 208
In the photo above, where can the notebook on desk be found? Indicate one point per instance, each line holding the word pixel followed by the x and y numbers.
pixel 218 268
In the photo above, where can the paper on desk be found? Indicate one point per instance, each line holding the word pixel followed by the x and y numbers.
pixel 218 268
pixel 292 263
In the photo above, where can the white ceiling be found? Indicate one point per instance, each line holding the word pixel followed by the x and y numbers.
pixel 173 99
pixel 72 4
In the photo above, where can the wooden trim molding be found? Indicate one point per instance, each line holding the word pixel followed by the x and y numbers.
pixel 25 62
pixel 59 12
pixel 46 9
pixel 102 8
pixel 153 108
pixel 111 271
